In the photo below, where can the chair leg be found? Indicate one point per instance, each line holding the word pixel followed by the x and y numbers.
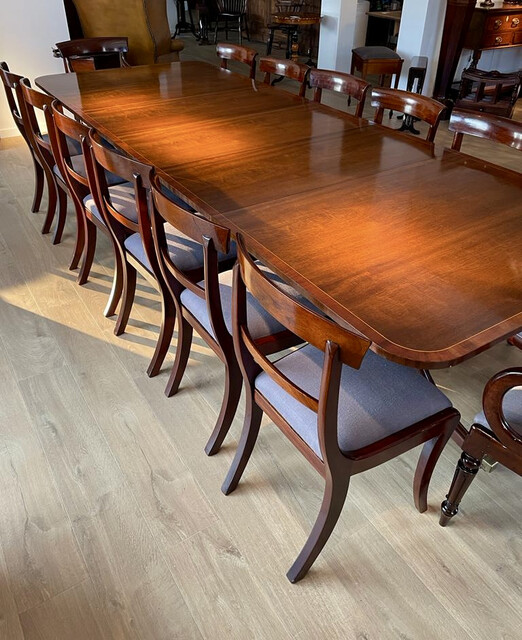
pixel 467 469
pixel 428 459
pixel 253 415
pixel 38 184
pixel 246 27
pixel 116 289
pixel 233 386
pixel 168 320
pixel 333 502
pixel 240 31
pixel 52 200
pixel 216 30
pixel 62 215
pixel 89 249
pixel 129 290
pixel 182 355
pixel 80 237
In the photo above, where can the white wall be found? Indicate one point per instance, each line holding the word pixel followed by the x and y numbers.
pixel 336 34
pixel 28 30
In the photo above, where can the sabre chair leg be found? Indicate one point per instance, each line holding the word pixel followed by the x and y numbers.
pixel 88 252
pixel 129 291
pixel 251 425
pixel 168 320
pixel 233 386
pixel 333 502
pixel 467 469
pixel 62 215
pixel 182 355
pixel 52 200
pixel 116 289
pixel 38 184
pixel 80 238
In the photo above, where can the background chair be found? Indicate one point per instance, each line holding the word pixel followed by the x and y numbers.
pixel 10 81
pixel 285 69
pixel 143 22
pixel 411 104
pixel 89 54
pixel 342 83
pixel 245 55
pixel 489 91
pixel 342 420
pixel 496 432
pixel 235 10
pixel 484 125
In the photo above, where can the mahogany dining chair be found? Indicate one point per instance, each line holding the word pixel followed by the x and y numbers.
pixel 204 303
pixel 411 104
pixel 495 432
pixel 345 83
pixel 245 55
pixel 484 125
pixel 89 54
pixel 285 69
pixel 345 408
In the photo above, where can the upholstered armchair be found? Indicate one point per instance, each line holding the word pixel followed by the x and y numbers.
pixel 143 22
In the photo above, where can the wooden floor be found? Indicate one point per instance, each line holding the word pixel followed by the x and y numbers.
pixel 112 523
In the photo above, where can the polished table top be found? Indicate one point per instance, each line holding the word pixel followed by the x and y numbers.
pixel 419 250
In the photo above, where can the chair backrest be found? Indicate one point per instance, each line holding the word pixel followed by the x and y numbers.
pixel 287 68
pixel 143 22
pixel 31 100
pixel 412 104
pixel 351 86
pixel 232 6
pixel 213 237
pixel 340 345
pixel 88 54
pixel 494 393
pixel 489 91
pixel 237 52
pixel 10 82
pixel 484 125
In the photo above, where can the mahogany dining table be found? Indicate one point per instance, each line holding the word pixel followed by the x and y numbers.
pixel 417 248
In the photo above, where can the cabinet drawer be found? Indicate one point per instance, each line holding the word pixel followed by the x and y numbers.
pixel 517 37
pixel 498 40
pixel 511 22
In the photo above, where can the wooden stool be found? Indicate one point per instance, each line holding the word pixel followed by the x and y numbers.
pixel 379 61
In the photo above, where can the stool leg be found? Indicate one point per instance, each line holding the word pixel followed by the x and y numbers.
pixel 270 42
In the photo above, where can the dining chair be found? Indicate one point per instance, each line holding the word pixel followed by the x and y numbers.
pixel 32 101
pixel 125 211
pixel 285 69
pixel 245 55
pixel 345 408
pixel 73 170
pixel 411 104
pixel 235 10
pixel 484 125
pixel 10 82
pixel 89 54
pixel 204 303
pixel 345 83
pixel 495 432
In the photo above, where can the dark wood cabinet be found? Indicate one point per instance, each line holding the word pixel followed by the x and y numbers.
pixel 497 27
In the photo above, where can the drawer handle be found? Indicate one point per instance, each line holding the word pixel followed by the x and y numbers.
pixel 515 22
pixel 497 24
pixel 498 40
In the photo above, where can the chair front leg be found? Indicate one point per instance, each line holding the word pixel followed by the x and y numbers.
pixel 129 290
pixel 185 331
pixel 467 469
pixel 62 215
pixel 233 386
pixel 168 320
pixel 52 199
pixel 38 183
pixel 333 501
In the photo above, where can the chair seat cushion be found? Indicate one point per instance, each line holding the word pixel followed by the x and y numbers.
pixel 260 322
pixel 78 165
pixel 122 196
pixel 379 399
pixel 512 408
pixel 74 147
pixel 378 53
pixel 186 254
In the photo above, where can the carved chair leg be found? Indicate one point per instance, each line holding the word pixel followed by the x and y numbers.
pixel 38 184
pixel 129 290
pixel 253 415
pixel 89 249
pixel 62 215
pixel 185 331
pixel 117 287
pixel 80 238
pixel 168 320
pixel 429 457
pixel 52 200
pixel 467 468
pixel 333 502
pixel 233 386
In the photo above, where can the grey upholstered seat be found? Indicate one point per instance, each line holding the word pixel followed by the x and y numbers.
pixel 260 323
pixel 78 165
pixel 74 147
pixel 512 408
pixel 122 197
pixel 185 253
pixel 377 400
